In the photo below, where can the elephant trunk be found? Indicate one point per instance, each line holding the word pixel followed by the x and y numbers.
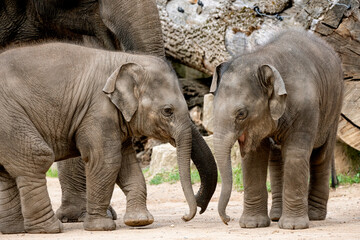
pixel 205 164
pixel 183 141
pixel 222 147
pixel 143 27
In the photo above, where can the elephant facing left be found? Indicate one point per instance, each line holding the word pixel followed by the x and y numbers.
pixel 59 101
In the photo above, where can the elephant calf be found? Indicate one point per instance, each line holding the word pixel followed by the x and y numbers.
pixel 282 104
pixel 59 101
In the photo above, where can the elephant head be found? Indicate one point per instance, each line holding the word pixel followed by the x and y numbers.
pixel 249 99
pixel 152 104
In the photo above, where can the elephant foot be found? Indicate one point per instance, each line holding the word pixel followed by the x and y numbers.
pixel 257 221
pixel 98 223
pixel 286 222
pixel 51 226
pixel 275 213
pixel 12 228
pixel 76 214
pixel 137 218
pixel 71 213
pixel 110 212
pixel 316 214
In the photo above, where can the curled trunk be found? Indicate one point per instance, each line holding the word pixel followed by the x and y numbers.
pixel 205 164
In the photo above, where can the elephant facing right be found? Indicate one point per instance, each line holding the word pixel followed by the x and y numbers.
pixel 282 104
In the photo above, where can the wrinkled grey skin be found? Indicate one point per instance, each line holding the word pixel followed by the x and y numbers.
pixel 60 101
pixel 135 25
pixel 126 25
pixel 130 25
pixel 132 182
pixel 281 103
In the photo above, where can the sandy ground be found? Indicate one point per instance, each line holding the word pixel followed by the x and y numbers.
pixel 166 202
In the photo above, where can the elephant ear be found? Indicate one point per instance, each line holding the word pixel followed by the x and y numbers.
pixel 275 86
pixel 217 77
pixel 121 88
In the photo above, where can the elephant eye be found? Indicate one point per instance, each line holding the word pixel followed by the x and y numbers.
pixel 167 111
pixel 241 114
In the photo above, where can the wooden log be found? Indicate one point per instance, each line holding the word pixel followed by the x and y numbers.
pixel 198 40
pixel 224 28
pixel 342 31
pixel 351 105
pixel 349 125
pixel 349 134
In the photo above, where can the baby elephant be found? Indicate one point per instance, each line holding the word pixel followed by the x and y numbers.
pixel 282 104
pixel 59 101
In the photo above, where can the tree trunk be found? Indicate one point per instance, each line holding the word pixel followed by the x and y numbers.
pixel 349 125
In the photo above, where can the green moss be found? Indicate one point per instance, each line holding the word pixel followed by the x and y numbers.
pixel 173 177
pixel 156 180
pixel 238 179
pixel 347 179
pixel 166 176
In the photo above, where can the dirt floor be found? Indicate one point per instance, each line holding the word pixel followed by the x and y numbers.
pixel 166 202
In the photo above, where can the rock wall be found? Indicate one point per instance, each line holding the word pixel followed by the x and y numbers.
pixel 223 28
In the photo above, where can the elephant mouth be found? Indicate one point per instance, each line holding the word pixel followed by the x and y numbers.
pixel 242 141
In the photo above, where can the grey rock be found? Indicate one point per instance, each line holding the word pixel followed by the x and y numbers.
pixel 273 6
pixel 335 14
pixel 208 114
pixel 163 158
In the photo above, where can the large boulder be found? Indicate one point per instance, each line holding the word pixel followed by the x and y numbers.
pixel 163 158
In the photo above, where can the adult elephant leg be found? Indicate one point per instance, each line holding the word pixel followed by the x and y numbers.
pixel 136 23
pixel 11 219
pixel 205 163
pixel 132 183
pixel 254 166
pixel 320 165
pixel 276 180
pixel 73 188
